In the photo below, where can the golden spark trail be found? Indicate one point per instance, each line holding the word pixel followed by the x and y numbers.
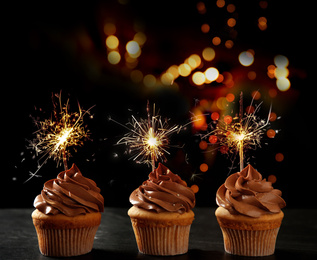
pixel 53 137
pixel 148 139
pixel 240 133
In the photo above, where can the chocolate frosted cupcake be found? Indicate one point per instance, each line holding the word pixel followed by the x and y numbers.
pixel 249 213
pixel 161 214
pixel 67 214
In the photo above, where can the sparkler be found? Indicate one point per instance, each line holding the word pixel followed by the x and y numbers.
pixel 55 135
pixel 239 133
pixel 148 139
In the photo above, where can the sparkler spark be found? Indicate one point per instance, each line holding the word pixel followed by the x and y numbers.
pixel 55 135
pixel 238 134
pixel 148 139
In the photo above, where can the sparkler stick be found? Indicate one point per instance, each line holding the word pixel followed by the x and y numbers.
pixel 53 137
pixel 240 143
pixel 152 140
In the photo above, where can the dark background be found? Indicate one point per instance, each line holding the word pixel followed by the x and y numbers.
pixel 52 46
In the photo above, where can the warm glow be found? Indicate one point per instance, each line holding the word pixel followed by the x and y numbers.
pixel 136 76
pixel 152 140
pixel 201 120
pixel 256 95
pixel 149 80
pixel 109 28
pixel 251 75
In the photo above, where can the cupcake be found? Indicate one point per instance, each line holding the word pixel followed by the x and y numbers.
pixel 161 214
pixel 249 213
pixel 67 214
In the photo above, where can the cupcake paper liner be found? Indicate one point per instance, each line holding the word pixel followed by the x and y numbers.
pixel 170 240
pixel 249 242
pixel 66 242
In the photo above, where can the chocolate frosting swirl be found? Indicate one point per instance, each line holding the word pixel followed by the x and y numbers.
pixel 70 194
pixel 163 191
pixel 246 193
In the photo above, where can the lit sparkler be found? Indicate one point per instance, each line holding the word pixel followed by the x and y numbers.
pixel 239 133
pixel 56 134
pixel 148 139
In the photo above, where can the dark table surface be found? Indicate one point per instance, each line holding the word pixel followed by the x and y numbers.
pixel 297 238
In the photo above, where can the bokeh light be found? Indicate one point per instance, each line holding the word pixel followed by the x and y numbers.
pixel 246 58
pixel 149 80
pixel 132 47
pixel 281 61
pixel 184 70
pixel 198 78
pixel 279 157
pixel 203 167
pixel 109 29
pixel 272 178
pixel 112 42
pixel 216 40
pixel 208 54
pixel 270 133
pixel 114 57
pixel 215 116
pixel 194 188
pixel 212 74
pixel 203 145
pixel 283 84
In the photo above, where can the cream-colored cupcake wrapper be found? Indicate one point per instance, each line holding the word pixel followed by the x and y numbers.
pixel 171 240
pixel 249 242
pixel 66 242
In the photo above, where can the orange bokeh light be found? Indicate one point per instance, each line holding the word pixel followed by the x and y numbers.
pixel 215 116
pixel 230 97
pixel 279 157
pixel 213 139
pixel 194 188
pixel 203 145
pixel 203 167
pixel 228 119
pixel 270 133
